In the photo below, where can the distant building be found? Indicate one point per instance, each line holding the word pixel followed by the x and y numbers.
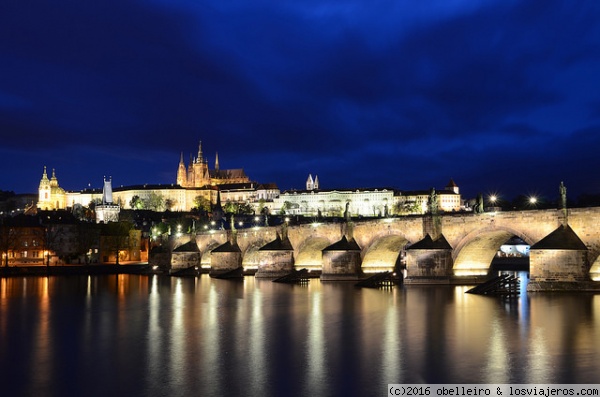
pixel 107 211
pixel 383 201
pixel 197 174
pixel 51 196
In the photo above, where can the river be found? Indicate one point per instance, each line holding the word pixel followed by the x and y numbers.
pixel 131 335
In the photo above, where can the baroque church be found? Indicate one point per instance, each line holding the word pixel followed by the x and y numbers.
pixel 197 174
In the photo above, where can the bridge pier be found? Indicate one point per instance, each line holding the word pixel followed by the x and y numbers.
pixel 341 261
pixel 226 257
pixel 559 262
pixel 429 261
pixel 276 258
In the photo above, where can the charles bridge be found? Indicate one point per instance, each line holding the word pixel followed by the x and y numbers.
pixel 565 247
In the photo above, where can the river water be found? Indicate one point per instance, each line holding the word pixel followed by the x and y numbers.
pixel 131 335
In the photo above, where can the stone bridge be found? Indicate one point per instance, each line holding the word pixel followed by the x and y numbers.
pixel 447 245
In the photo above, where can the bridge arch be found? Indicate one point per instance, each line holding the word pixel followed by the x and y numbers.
pixel 474 253
pixel 310 255
pixel 205 255
pixel 251 256
pixel 383 253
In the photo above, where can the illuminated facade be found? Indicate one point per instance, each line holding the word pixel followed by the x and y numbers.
pixel 362 202
pixel 197 174
pixel 195 181
pixel 51 196
pixel 107 211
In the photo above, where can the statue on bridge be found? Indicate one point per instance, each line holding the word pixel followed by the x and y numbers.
pixel 347 212
pixel 478 209
pixel 432 201
pixel 563 195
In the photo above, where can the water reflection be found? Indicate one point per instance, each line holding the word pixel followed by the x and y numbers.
pixel 137 335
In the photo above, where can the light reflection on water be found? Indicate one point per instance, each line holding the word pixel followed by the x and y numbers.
pixel 155 336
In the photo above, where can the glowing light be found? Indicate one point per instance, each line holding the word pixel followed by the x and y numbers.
pixel 532 200
pixel 493 198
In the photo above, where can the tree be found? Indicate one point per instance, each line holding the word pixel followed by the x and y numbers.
pixel 285 207
pixel 244 208
pixel 201 203
pixel 155 202
pixel 406 207
pixel 229 207
pixel 136 203
pixel 88 238
pixel 170 203
pixel 116 237
pixel 50 237
pixel 261 205
pixel 8 239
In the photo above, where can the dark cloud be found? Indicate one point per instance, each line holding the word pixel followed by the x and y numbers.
pixel 498 95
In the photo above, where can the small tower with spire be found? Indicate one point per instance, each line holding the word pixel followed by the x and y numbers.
pixel 181 172
pixel 310 184
pixel 107 211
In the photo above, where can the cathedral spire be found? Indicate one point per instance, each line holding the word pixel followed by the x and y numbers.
pixel 217 162
pixel 200 157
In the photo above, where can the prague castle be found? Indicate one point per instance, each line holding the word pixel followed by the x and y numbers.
pixel 197 180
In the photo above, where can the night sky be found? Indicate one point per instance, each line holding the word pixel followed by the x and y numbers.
pixel 502 96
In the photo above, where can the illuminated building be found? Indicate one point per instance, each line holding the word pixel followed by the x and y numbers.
pixel 383 201
pixel 197 174
pixel 107 211
pixel 194 181
pixel 51 196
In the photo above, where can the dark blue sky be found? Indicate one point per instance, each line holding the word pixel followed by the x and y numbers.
pixel 503 96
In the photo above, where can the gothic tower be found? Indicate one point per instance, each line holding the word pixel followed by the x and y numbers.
pixel 200 169
pixel 181 173
pixel 310 185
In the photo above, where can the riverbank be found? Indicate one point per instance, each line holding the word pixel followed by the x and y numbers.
pixel 94 269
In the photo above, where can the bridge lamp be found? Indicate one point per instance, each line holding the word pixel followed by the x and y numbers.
pixel 287 219
pixel 532 200
pixel 493 199
pixel 240 223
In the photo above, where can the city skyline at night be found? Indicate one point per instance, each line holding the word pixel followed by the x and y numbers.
pixel 503 97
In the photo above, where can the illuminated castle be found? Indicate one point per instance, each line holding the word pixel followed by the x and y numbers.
pixel 197 174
